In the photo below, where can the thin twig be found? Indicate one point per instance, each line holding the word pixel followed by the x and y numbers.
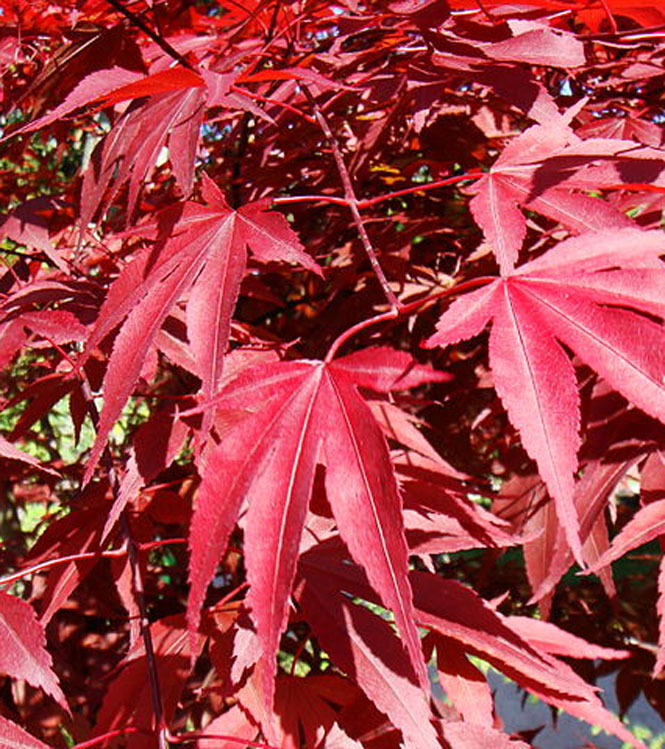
pixel 274 102
pixel 344 337
pixel 610 18
pixel 404 309
pixel 368 202
pixel 110 735
pixel 186 738
pixel 110 553
pixel 454 180
pixel 158 40
pixel 137 578
pixel 350 196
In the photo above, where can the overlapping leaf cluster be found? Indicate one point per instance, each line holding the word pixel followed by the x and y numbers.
pixel 251 252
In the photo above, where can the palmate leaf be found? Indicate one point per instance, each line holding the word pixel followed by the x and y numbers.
pixel 536 171
pixel 23 654
pixel 205 256
pixel 301 414
pixel 575 294
pixel 364 647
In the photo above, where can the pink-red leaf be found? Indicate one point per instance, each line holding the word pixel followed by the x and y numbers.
pixel 14 737
pixel 554 299
pixel 301 414
pixel 365 648
pixel 647 524
pixel 464 684
pixel 23 654
pixel 205 256
pixel 463 735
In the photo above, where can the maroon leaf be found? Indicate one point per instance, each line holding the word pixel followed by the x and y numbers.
pixel 364 647
pixel 128 699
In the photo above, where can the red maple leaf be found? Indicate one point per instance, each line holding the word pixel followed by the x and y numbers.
pixel 304 413
pixel 537 171
pixel 575 294
pixel 204 257
pixel 15 737
pixel 24 655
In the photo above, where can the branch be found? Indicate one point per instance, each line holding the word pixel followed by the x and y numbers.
pixel 137 579
pixel 403 310
pixel 186 738
pixel 468 177
pixel 110 735
pixel 111 553
pixel 351 199
pixel 158 40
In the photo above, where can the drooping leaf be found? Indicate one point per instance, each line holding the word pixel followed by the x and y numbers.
pixel 648 523
pixel 14 737
pixel 155 446
pixel 462 735
pixel 364 647
pixel 556 641
pixel 128 698
pixel 234 724
pixel 8 451
pixel 305 413
pixel 464 684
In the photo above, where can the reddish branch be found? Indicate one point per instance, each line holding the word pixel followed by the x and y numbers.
pixel 350 196
pixel 379 198
pixel 404 309
pixel 136 576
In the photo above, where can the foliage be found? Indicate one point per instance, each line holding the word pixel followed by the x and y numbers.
pixel 260 488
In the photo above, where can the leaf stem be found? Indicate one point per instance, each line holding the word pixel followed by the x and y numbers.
pixel 110 553
pixel 274 102
pixel 456 179
pixel 286 199
pixel 297 654
pixel 185 738
pixel 392 314
pixel 610 18
pixel 14 576
pixel 221 603
pixel 111 734
pixel 141 24
pixel 350 197
pixel 404 309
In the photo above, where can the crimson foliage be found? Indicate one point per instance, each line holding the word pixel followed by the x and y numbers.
pixel 249 256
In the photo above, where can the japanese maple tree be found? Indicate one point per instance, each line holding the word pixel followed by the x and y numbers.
pixel 333 366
